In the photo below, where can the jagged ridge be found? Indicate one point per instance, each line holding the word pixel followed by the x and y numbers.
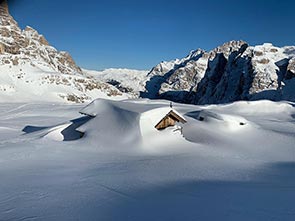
pixel 31 69
pixel 231 72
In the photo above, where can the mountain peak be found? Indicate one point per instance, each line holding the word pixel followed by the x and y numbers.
pixel 230 72
pixel 28 61
pixel 28 44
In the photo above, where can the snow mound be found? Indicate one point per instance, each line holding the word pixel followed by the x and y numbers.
pixel 111 124
pixel 132 122
pixel 96 107
pixel 225 122
pixel 262 107
pixel 234 122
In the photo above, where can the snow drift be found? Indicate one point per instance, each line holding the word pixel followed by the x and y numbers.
pixel 123 167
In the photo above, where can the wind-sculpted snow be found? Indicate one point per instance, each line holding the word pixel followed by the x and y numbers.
pixel 122 168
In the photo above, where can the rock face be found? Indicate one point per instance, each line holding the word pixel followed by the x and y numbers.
pixel 291 69
pixel 4 7
pixel 32 69
pixel 31 44
pixel 231 72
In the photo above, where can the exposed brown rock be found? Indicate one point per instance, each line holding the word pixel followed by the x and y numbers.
pixel 4 7
pixel 2 48
pixel 4 32
pixel 263 61
pixel 43 41
pixel 291 69
pixel 15 61
pixel 258 53
pixel 13 49
pixel 67 60
pixel 15 41
pixel 274 50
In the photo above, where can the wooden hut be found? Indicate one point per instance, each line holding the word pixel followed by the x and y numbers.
pixel 170 119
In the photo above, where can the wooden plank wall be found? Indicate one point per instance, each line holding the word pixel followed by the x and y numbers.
pixel 166 122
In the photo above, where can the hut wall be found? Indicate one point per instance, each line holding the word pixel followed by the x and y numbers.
pixel 166 122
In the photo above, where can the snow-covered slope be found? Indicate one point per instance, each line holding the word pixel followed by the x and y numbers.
pixel 56 164
pixel 231 72
pixel 126 80
pixel 31 69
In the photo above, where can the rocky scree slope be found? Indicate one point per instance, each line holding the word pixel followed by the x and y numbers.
pixel 231 72
pixel 32 69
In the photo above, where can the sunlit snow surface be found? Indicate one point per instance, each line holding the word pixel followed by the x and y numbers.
pixel 231 162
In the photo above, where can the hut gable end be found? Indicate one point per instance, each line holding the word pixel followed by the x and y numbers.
pixel 169 120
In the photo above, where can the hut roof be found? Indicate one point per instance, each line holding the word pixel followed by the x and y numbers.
pixel 96 107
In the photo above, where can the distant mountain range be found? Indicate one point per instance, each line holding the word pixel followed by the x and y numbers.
pixel 32 70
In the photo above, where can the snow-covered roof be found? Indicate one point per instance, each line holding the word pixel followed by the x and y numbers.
pixel 156 115
pixel 95 107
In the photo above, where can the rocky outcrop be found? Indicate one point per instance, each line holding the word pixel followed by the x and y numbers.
pixel 223 74
pixel 231 72
pixel 291 69
pixel 29 44
pixel 162 82
pixel 27 61
pixel 31 33
pixel 2 48
pixel 4 7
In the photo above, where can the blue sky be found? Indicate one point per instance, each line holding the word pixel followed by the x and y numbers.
pixel 139 34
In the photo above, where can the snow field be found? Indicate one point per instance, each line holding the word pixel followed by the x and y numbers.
pixel 124 169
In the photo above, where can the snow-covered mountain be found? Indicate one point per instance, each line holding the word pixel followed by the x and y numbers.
pixel 231 72
pixel 125 80
pixel 31 69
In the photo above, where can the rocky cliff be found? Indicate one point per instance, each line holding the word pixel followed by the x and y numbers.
pixel 31 69
pixel 30 43
pixel 231 72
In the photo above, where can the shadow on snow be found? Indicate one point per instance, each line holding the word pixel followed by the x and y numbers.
pixel 270 196
pixel 69 133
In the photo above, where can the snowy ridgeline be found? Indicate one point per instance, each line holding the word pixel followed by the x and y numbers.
pixel 231 72
pixel 231 162
pixel 127 81
pixel 32 70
